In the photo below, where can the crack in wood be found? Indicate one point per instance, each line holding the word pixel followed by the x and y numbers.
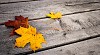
pixel 63 44
pixel 81 3
pixel 17 2
pixel 62 15
pixel 81 12
pixel 59 45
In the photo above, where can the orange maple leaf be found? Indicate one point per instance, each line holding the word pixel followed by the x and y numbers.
pixel 19 21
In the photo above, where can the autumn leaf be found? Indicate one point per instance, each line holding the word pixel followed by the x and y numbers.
pixel 29 35
pixel 54 15
pixel 19 21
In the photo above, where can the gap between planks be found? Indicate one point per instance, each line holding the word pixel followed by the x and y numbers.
pixel 59 45
pixel 81 3
pixel 18 2
pixel 51 47
pixel 40 0
pixel 62 15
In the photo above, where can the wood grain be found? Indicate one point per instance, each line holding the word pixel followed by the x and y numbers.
pixel 68 1
pixel 74 30
pixel 89 47
pixel 53 37
pixel 70 28
pixel 53 31
pixel 80 21
pixel 38 9
pixel 13 1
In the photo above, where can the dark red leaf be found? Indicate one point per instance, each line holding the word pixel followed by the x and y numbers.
pixel 19 21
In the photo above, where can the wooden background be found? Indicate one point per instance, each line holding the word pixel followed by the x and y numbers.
pixel 77 33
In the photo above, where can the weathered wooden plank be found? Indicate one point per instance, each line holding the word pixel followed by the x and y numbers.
pixel 80 21
pixel 53 32
pixel 6 42
pixel 12 1
pixel 68 1
pixel 74 31
pixel 38 9
pixel 88 47
pixel 53 37
pixel 48 27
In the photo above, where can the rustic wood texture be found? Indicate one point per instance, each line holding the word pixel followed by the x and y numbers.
pixel 13 1
pixel 52 32
pixel 71 1
pixel 80 21
pixel 37 9
pixel 49 29
pixel 88 47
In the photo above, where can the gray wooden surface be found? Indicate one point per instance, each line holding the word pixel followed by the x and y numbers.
pixel 37 9
pixel 14 1
pixel 71 1
pixel 89 47
pixel 81 20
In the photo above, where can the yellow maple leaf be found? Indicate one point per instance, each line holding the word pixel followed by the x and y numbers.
pixel 54 15
pixel 29 35
pixel 22 30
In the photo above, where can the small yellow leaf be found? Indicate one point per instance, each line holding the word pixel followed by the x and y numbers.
pixel 54 15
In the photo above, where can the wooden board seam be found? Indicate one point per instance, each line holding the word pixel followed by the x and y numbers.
pixel 17 2
pixel 59 45
pixel 81 3
pixel 62 15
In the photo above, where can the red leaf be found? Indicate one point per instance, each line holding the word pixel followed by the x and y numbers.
pixel 19 21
